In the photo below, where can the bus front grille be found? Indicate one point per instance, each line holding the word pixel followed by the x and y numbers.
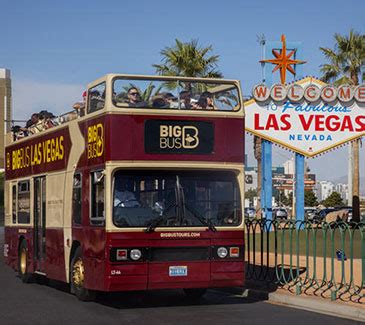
pixel 163 254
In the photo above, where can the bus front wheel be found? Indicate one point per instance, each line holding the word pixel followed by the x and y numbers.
pixel 23 263
pixel 77 278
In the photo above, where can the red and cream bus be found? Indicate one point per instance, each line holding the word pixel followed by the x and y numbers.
pixel 143 191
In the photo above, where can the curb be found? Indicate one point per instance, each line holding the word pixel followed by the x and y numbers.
pixel 319 306
pixel 306 303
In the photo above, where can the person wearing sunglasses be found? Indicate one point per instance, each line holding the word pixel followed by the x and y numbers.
pixel 134 98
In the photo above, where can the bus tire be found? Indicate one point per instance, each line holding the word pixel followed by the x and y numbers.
pixel 77 278
pixel 195 293
pixel 23 266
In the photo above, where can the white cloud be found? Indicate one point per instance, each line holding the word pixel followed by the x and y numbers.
pixel 32 96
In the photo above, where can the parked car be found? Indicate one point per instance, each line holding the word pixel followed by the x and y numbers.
pixel 309 213
pixel 320 215
pixel 250 212
pixel 279 213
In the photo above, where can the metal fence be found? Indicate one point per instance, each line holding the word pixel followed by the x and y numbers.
pixel 321 259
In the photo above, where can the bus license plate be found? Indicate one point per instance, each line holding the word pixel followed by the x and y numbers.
pixel 178 271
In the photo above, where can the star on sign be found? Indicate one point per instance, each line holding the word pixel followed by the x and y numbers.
pixel 283 61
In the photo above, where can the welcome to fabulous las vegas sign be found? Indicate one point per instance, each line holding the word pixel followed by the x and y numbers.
pixel 308 116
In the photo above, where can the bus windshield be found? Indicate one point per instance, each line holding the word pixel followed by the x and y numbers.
pixel 176 199
pixel 175 94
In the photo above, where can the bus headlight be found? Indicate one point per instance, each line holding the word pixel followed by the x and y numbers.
pixel 135 254
pixel 222 252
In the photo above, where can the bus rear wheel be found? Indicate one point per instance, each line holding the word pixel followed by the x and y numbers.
pixel 195 293
pixel 23 263
pixel 77 278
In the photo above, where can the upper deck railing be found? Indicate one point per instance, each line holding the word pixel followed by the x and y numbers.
pixel 150 94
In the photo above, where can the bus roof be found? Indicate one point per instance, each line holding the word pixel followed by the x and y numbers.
pixel 111 76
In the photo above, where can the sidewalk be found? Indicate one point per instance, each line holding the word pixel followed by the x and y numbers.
pixel 337 308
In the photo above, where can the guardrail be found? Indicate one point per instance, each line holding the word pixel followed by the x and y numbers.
pixel 322 259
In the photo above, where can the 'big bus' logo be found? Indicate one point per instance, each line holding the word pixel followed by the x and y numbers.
pixel 95 141
pixel 177 137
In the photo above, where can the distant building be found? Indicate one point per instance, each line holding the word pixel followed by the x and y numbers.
pixel 324 190
pixel 282 178
pixel 289 167
pixel 5 110
pixel 343 190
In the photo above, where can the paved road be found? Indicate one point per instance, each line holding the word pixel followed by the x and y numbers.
pixel 52 304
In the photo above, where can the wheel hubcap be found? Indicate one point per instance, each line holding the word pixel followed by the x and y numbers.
pixel 23 261
pixel 78 273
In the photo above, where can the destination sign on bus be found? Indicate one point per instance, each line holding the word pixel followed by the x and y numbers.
pixel 192 137
pixel 46 153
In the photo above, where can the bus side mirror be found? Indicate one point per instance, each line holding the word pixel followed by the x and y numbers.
pixel 98 176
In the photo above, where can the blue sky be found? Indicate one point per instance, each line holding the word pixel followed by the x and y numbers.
pixel 54 48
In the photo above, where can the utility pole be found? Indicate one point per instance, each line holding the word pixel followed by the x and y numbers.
pixel 257 140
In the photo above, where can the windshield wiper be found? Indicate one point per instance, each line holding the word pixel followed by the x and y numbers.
pixel 155 222
pixel 205 222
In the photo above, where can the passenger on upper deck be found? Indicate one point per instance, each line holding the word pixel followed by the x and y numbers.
pixel 80 106
pixel 33 120
pixel 159 101
pixel 185 99
pixel 165 100
pixel 171 100
pixel 134 98
pixel 205 101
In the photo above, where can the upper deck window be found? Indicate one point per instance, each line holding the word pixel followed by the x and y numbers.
pixel 96 98
pixel 175 94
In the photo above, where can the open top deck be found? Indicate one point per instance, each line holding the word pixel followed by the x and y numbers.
pixel 139 118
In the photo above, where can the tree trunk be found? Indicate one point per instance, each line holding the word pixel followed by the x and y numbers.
pixel 356 171
pixel 356 183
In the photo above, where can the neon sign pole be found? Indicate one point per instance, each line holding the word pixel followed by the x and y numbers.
pixel 284 62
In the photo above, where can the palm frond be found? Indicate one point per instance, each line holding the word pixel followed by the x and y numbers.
pixel 188 59
pixel 345 59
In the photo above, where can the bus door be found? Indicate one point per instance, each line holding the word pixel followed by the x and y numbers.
pixel 40 223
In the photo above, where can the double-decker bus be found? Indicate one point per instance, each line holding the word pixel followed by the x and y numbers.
pixel 144 190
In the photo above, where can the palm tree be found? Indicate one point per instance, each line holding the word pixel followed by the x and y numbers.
pixel 345 60
pixel 188 60
pixel 344 68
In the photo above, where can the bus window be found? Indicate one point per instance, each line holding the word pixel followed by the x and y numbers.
pixel 97 215
pixel 23 202
pixel 77 199
pixel 175 94
pixel 13 208
pixel 96 98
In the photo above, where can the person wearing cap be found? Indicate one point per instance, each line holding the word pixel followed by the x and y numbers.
pixel 159 101
pixel 171 100
pixel 79 107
